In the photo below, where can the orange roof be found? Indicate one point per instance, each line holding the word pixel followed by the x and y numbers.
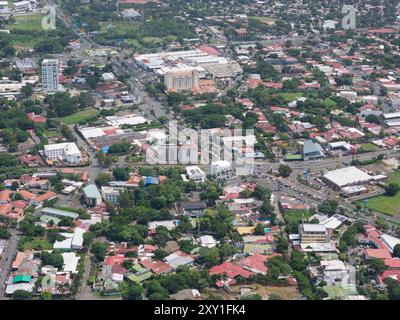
pixel 377 253
pixel 44 197
pixel 27 195
pixel 5 209
pixel 5 195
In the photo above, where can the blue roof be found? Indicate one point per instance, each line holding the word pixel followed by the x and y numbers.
pixel 151 180
pixel 105 149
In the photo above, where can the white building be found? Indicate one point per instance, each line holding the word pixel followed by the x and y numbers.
pixel 195 173
pixel 110 194
pixel 207 241
pixel 390 241
pixel 70 262
pixel 221 168
pixel 347 176
pixel 22 6
pixel 50 75
pixel 67 151
pixel 313 233
pixel 336 273
pixel 72 241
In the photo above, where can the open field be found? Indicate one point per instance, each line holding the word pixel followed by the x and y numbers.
pixel 265 20
pixel 384 204
pixel 80 116
pixel 368 147
pixel 284 292
pixel 28 22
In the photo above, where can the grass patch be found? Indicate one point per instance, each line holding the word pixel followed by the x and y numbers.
pixel 266 20
pixel 394 178
pixel 51 134
pixel 384 204
pixel 27 243
pixel 121 29
pixel 296 215
pixel 29 22
pixel 80 116
pixel 291 96
pixel 328 103
pixel 152 40
pixel 368 147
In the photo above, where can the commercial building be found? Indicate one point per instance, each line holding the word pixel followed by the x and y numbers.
pixel 50 75
pixel 348 176
pixel 313 233
pixel 390 241
pixel 195 173
pixel 312 151
pixel 52 212
pixel 68 152
pixel 111 194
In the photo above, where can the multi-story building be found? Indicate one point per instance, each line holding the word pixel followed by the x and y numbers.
pixel 313 233
pixel 50 75
pixel 182 80
pixel 68 152
pixel 111 194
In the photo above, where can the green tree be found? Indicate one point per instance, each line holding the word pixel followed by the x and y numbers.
pixel 99 249
pixel 285 170
pixel 131 291
pixel 396 251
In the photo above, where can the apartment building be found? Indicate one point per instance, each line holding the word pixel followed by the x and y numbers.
pixel 50 75
pixel 111 194
pixel 68 152
pixel 313 233
pixel 182 79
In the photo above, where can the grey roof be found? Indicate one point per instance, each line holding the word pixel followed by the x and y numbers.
pixel 311 147
pixel 193 205
pixel 60 213
pixel 91 191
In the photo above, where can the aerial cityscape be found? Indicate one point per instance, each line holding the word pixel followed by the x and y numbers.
pixel 200 150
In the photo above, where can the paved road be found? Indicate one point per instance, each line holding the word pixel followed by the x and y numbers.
pixel 6 260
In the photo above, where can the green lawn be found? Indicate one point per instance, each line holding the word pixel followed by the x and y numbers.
pixel 120 28
pixel 27 243
pixel 368 147
pixel 291 96
pixel 265 20
pixel 80 116
pixel 394 178
pixel 296 215
pixel 329 103
pixel 51 134
pixel 384 204
pixel 30 22
pixel 152 40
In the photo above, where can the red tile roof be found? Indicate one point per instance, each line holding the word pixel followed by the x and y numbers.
pixel 394 274
pixel 5 195
pixel 393 263
pixel 377 253
pixel 255 263
pixel 45 196
pixel 230 269
pixel 158 267
pixel 112 260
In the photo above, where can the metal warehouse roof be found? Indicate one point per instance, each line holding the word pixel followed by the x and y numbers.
pixel 91 191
